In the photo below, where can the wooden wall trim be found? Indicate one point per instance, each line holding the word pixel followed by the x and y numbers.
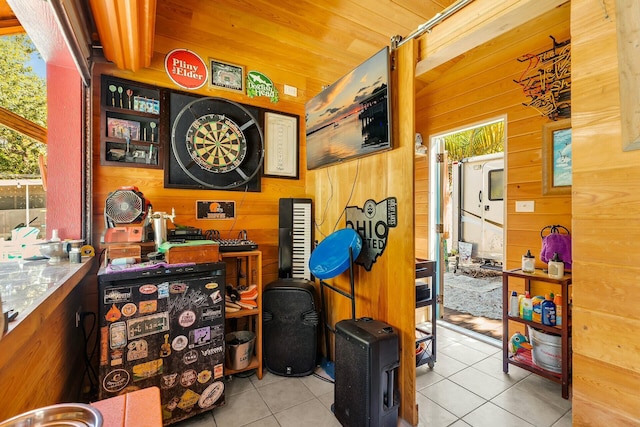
pixel 480 22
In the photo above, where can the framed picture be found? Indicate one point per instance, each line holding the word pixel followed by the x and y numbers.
pixel 556 157
pixel 280 145
pixel 226 76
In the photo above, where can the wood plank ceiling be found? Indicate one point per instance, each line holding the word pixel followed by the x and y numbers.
pixel 323 39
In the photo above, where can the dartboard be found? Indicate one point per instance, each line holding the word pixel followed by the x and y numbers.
pixel 217 143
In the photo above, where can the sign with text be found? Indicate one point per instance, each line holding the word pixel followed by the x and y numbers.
pixel 372 223
pixel 186 69
pixel 215 209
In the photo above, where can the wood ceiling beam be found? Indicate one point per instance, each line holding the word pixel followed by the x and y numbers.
pixel 483 21
pixel 126 29
pixel 9 26
pixel 22 125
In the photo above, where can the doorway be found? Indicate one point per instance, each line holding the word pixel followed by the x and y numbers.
pixel 466 224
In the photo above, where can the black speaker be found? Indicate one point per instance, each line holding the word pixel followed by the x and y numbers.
pixel 290 320
pixel 366 365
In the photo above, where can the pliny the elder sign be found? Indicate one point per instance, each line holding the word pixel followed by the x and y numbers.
pixel 186 69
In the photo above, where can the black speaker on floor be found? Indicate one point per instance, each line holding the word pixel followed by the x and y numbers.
pixel 290 319
pixel 366 366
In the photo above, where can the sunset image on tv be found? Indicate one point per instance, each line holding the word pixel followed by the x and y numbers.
pixel 350 118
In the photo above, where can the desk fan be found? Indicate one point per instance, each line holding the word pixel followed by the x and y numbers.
pixel 124 211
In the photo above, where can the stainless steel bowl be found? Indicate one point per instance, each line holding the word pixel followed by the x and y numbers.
pixel 61 415
pixel 53 250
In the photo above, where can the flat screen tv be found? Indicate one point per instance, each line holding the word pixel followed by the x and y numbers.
pixel 351 118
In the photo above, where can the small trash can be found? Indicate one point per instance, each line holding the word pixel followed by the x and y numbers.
pixel 239 349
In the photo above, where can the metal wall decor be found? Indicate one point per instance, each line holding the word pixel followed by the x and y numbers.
pixel 547 80
pixel 372 222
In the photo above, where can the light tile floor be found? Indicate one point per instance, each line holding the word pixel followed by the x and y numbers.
pixel 465 388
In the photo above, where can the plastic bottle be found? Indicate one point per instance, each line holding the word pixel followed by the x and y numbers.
pixel 520 298
pixel 548 311
pixel 528 263
pixel 527 307
pixel 557 300
pixel 556 267
pixel 513 305
pixel 536 304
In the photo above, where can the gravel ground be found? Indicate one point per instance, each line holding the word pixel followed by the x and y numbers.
pixel 480 295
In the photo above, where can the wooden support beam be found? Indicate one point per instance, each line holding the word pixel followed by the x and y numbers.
pixel 22 125
pixel 481 22
pixel 9 26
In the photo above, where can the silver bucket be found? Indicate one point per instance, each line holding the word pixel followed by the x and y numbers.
pixel 239 352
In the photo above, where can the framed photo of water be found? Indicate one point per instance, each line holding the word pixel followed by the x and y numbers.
pixel 351 118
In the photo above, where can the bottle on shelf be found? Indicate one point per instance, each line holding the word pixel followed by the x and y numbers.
pixel 557 300
pixel 513 305
pixel 528 262
pixel 548 311
pixel 556 267
pixel 527 307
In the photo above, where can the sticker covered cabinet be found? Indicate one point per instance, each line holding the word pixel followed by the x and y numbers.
pixel 164 327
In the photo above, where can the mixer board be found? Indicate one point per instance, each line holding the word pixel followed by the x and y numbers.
pixel 240 244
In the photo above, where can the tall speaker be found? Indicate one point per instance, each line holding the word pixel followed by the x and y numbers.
pixel 366 366
pixel 290 320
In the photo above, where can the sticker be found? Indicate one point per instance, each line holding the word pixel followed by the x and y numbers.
pixel 190 299
pixel 138 349
pixel 148 289
pixel 218 370
pixel 173 404
pixel 216 296
pixel 117 335
pixel 165 348
pixel 147 307
pixel 188 378
pixel 113 314
pixel 147 370
pixel 116 357
pixel 104 345
pixel 260 85
pixel 211 394
pixel 177 288
pixel 199 337
pixel 190 357
pixel 211 285
pixel 119 295
pixel 147 325
pixel 129 309
pixel 211 351
pixel 115 380
pixel 163 290
pixel 179 343
pixel 169 380
pixel 188 399
pixel 211 313
pixel 187 318
pixel 204 376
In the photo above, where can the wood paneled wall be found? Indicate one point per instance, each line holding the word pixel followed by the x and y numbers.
pixel 257 212
pixel 606 185
pixel 387 292
pixel 478 86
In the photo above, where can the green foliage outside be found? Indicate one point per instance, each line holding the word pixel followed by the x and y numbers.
pixel 486 139
pixel 22 92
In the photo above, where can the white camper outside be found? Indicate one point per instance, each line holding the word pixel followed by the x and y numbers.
pixel 478 205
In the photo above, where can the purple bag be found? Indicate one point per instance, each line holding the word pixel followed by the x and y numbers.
pixel 554 242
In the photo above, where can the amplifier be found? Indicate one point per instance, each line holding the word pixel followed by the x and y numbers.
pixel 366 364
